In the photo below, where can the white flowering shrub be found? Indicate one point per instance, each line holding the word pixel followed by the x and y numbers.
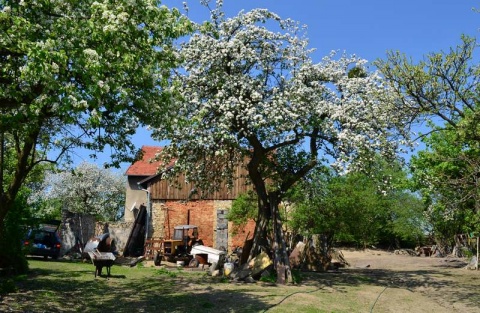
pixel 88 189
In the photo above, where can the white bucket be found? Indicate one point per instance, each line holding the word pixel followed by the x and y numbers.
pixel 227 269
pixel 180 263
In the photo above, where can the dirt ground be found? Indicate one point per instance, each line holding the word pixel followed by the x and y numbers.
pixel 435 284
pixel 382 281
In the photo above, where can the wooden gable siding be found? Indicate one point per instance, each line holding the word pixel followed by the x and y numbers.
pixel 162 189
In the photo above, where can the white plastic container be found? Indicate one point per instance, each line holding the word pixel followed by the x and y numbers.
pixel 214 255
pixel 227 269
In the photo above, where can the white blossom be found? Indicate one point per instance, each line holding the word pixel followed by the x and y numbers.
pixel 88 189
pixel 91 53
pixel 244 85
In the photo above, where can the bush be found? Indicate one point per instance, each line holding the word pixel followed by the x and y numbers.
pixel 7 286
pixel 12 254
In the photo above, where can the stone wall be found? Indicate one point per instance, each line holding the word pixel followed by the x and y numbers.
pixel 75 228
pixel 83 227
pixel 119 232
pixel 157 220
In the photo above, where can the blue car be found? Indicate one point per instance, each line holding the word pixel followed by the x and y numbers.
pixel 43 241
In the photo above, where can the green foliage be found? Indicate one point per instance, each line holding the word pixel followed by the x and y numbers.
pixel 358 208
pixel 244 208
pixel 407 222
pixel 270 278
pixel 442 89
pixel 81 74
pixel 12 235
pixel 297 277
pixel 357 72
pixel 166 272
pixel 22 214
pixel 7 286
pixel 446 175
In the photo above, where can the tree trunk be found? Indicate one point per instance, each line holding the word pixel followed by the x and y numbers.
pixel 24 164
pixel 6 204
pixel 260 241
pixel 281 260
pixel 269 211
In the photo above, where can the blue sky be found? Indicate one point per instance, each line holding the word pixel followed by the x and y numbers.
pixel 367 28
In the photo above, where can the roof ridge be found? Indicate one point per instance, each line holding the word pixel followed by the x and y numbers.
pixel 145 166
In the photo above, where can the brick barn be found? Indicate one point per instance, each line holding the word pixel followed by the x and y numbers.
pixel 173 203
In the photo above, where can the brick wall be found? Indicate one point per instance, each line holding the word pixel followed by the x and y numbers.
pixel 242 234
pixel 202 213
pixel 197 213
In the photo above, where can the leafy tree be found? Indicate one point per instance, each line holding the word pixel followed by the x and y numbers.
pixel 243 209
pixel 358 208
pixel 246 93
pixel 447 175
pixel 443 89
pixel 79 74
pixel 407 223
pixel 13 233
pixel 88 189
pixel 20 217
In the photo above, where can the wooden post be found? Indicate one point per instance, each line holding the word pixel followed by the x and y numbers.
pixel 478 240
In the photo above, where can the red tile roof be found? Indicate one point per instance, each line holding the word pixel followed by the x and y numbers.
pixel 145 166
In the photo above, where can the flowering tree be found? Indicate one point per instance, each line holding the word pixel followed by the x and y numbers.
pixel 78 74
pixel 87 189
pixel 249 94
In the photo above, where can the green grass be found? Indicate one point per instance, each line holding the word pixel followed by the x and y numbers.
pixel 64 286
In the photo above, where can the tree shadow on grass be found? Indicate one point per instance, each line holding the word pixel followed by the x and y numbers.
pixel 448 283
pixel 73 291
pixel 73 288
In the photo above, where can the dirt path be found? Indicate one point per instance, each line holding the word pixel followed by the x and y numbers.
pixel 434 284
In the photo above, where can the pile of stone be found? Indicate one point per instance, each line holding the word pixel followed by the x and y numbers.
pixel 405 252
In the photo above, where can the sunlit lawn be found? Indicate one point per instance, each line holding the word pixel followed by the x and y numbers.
pixel 66 286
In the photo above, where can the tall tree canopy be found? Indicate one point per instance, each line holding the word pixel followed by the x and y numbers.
pixel 443 90
pixel 249 93
pixel 79 74
pixel 447 174
pixel 359 207
pixel 20 215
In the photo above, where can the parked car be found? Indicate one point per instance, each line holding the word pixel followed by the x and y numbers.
pixel 44 241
